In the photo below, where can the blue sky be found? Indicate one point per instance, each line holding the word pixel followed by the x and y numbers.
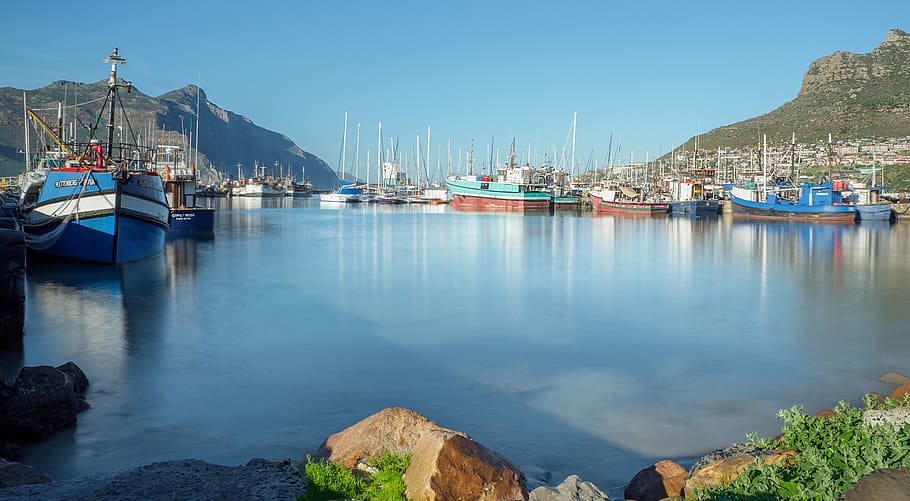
pixel 650 73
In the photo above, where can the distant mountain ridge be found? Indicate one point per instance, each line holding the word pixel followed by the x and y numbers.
pixel 226 139
pixel 851 96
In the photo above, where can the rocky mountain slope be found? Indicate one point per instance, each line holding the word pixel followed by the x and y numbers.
pixel 851 96
pixel 226 139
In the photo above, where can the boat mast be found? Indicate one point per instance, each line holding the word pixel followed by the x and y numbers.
pixel 764 166
pixel 426 164
pixel 574 119
pixel 196 153
pixel 344 145
pixel 28 152
pixel 379 158
pixel 357 155
pixel 114 58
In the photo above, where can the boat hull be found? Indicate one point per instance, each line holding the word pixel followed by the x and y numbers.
pixel 490 195
pixel 760 210
pixel 696 208
pixel 654 208
pixel 565 203
pixel 93 216
pixel 874 212
pixel 192 221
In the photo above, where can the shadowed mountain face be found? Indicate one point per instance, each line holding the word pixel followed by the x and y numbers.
pixel 851 96
pixel 225 138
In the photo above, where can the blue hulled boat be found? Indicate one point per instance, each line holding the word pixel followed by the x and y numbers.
pixel 90 203
pixel 807 202
pixel 186 218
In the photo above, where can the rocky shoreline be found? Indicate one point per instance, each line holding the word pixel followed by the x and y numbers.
pixel 445 464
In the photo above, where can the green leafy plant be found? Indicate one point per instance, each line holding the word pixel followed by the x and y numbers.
pixel 832 453
pixel 327 480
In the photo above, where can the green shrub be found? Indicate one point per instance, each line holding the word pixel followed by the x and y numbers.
pixel 327 480
pixel 832 453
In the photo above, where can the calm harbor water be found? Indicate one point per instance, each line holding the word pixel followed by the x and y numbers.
pixel 593 345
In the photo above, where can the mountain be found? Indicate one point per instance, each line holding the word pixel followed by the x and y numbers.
pixel 226 139
pixel 851 96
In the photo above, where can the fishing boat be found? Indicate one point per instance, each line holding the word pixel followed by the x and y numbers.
pixel 625 199
pixel 295 188
pixel 688 198
pixel 94 203
pixel 807 202
pixel 186 218
pixel 260 185
pixel 514 188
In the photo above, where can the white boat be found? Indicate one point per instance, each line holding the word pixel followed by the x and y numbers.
pixel 349 191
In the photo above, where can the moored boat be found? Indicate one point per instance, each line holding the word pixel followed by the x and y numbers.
pixel 186 218
pixel 625 199
pixel 807 202
pixel 513 189
pixel 687 198
pixel 92 203
pixel 867 201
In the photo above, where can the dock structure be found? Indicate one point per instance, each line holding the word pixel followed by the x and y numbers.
pixel 12 279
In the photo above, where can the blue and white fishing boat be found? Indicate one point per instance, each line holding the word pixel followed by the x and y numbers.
pixel 91 203
pixel 807 202
pixel 782 199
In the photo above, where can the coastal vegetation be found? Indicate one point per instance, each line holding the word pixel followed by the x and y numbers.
pixel 833 450
pixel 327 480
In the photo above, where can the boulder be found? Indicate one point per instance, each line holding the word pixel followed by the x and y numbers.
pixel 664 479
pixel 80 381
pixel 13 474
pixel 450 466
pixel 895 378
pixel 573 488
pixel 42 402
pixel 881 485
pixel 901 391
pixel 727 469
pixel 395 430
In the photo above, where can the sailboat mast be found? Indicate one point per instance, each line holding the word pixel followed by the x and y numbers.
pixel 357 155
pixel 196 150
pixel 418 161
pixel 344 144
pixel 574 119
pixel 426 164
pixel 379 157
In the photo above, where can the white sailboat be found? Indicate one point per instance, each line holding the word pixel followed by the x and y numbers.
pixel 349 191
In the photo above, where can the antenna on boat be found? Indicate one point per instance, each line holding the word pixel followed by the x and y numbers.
pixel 113 58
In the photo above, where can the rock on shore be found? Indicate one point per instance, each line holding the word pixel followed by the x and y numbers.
pixel 42 401
pixel 184 479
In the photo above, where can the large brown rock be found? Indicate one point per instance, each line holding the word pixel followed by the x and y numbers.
pixel 573 488
pixel 901 391
pixel 664 479
pixel 881 485
pixel 449 466
pixel 394 430
pixel 728 469
pixel 13 474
